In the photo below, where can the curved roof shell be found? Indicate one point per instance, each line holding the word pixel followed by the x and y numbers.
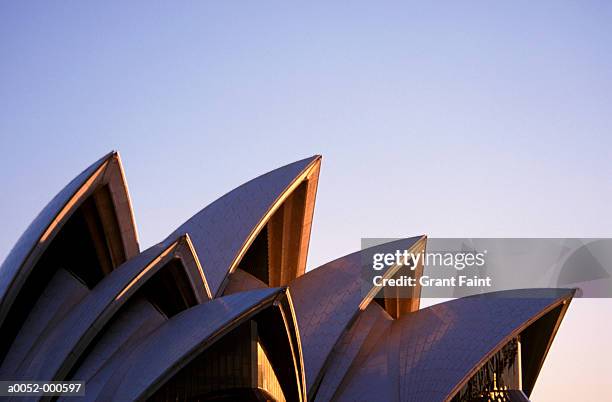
pixel 53 356
pixel 430 354
pixel 22 261
pixel 328 298
pixel 178 341
pixel 49 221
pixel 222 231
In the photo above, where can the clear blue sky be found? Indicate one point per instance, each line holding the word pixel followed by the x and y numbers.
pixel 472 119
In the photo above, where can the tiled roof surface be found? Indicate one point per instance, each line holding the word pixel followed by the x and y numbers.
pixel 363 333
pixel 435 348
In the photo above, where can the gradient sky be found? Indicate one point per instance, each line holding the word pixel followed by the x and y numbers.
pixel 467 120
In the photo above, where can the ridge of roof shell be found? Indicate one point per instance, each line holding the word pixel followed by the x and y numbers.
pixel 222 229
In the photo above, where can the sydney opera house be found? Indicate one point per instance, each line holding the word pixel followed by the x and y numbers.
pixel 223 309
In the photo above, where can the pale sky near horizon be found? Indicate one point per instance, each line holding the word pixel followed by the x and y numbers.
pixel 476 119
